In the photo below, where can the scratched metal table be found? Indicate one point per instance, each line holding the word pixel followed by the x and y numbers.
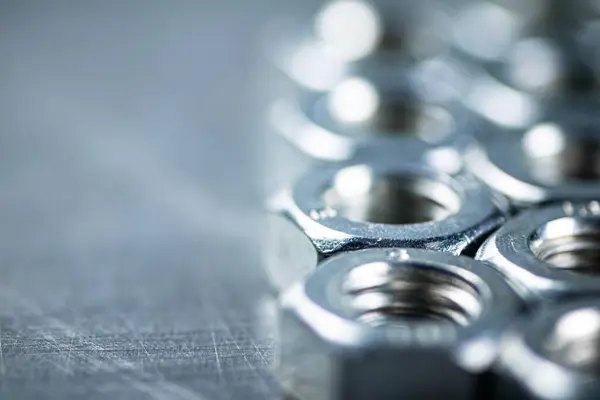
pixel 129 222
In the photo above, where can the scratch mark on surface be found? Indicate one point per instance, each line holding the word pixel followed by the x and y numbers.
pixel 68 361
pixel 157 390
pixel 251 366
pixel 260 354
pixel 214 342
pixel 2 365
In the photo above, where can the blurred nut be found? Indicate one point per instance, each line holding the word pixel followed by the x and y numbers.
pixel 348 35
pixel 554 354
pixel 548 252
pixel 392 323
pixel 554 159
pixel 508 21
pixel 386 202
pixel 360 112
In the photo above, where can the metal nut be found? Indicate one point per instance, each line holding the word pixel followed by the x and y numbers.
pixel 549 252
pixel 392 323
pixel 555 159
pixel 360 112
pixel 552 354
pixel 513 20
pixel 348 36
pixel 386 202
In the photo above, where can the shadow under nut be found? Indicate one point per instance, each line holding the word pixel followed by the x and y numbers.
pixel 382 203
pixel 549 252
pixel 385 323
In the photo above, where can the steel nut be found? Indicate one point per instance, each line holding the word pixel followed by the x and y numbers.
pixel 375 111
pixel 554 354
pixel 555 159
pixel 348 36
pixel 550 252
pixel 536 77
pixel 392 323
pixel 381 203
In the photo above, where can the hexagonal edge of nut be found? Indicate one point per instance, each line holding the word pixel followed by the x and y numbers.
pixel 296 242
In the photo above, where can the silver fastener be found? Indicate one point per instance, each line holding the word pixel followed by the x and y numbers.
pixel 549 252
pixel 349 35
pixel 392 323
pixel 385 202
pixel 359 113
pixel 553 354
pixel 554 159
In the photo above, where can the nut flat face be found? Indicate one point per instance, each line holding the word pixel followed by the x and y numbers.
pixel 554 159
pixel 549 252
pixel 362 317
pixel 553 354
pixel 382 203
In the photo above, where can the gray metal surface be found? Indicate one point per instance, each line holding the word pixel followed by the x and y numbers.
pixel 130 184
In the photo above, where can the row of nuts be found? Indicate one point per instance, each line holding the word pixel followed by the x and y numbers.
pixel 446 242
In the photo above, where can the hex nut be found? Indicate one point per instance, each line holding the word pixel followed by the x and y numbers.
pixel 552 354
pixel 385 202
pixel 549 252
pixel 392 323
pixel 515 21
pixel 377 109
pixel 534 77
pixel 554 159
pixel 349 36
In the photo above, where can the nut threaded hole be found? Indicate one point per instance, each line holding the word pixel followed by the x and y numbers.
pixel 359 194
pixel 575 341
pixel 555 155
pixel 383 292
pixel 570 243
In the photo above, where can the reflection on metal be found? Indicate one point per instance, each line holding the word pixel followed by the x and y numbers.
pixel 353 100
pixel 534 64
pixel 474 26
pixel 351 28
pixel 501 104
pixel 313 66
pixel 544 140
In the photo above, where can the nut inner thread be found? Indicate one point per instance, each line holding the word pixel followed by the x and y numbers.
pixel 382 292
pixel 555 155
pixel 359 194
pixel 570 243
pixel 574 341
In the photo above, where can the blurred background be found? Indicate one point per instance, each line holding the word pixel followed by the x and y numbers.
pixel 131 147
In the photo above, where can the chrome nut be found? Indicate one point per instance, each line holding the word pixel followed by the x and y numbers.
pixel 555 159
pixel 552 354
pixel 360 112
pixel 392 323
pixel 512 21
pixel 549 252
pixel 534 82
pixel 385 202
pixel 348 35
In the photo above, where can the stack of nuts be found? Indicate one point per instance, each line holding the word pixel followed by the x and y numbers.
pixel 443 238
